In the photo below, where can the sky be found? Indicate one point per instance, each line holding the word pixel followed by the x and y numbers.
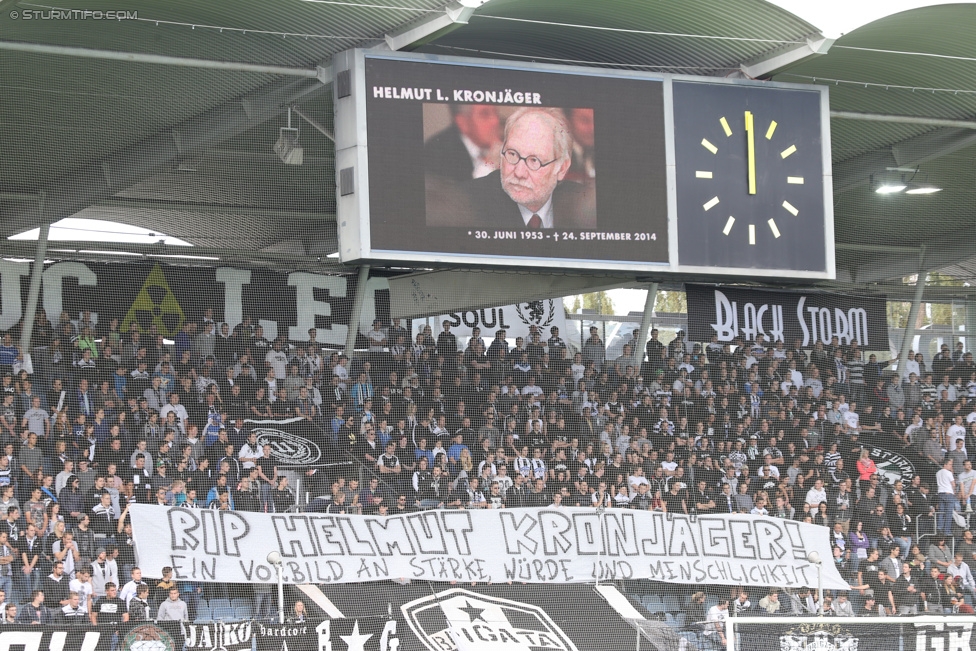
pixel 837 17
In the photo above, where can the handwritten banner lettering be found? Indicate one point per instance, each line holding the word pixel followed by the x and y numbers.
pixel 529 545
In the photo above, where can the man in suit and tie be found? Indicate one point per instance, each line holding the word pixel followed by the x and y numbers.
pixel 528 192
pixel 468 149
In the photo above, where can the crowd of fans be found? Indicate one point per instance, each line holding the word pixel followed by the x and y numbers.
pixel 104 418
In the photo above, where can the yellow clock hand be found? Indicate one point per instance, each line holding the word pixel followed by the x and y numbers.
pixel 751 136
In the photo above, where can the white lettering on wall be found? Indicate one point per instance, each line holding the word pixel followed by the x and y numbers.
pixel 308 308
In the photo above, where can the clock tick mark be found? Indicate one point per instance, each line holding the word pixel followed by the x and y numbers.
pixel 790 208
pixel 789 150
pixel 709 146
pixel 752 235
pixel 725 126
pixel 794 180
pixel 771 130
pixel 711 203
pixel 728 225
pixel 699 174
pixel 772 227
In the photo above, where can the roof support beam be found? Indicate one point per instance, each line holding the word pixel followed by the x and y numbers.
pixel 135 251
pixel 854 172
pixel 142 57
pixel 425 29
pixel 212 209
pixel 101 179
pixel 780 58
pixel 951 248
pixel 903 119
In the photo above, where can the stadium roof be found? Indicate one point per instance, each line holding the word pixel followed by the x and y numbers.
pixel 165 119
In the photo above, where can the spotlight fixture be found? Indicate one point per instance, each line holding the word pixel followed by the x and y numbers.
pixel 287 147
pixel 888 184
pixel 922 188
pixel 890 188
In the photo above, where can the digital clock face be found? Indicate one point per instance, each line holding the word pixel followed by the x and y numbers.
pixel 750 178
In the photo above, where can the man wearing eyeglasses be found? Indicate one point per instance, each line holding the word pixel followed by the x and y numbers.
pixel 529 192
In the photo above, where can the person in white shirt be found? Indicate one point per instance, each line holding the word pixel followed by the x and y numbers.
pixel 129 589
pixel 174 405
pixel 250 452
pixel 277 359
pixel 715 623
pixel 341 371
pixel 82 585
pixel 816 494
pixel 66 551
pixel 946 497
pixel 956 432
pixel 966 482
pixel 760 507
pixel 376 336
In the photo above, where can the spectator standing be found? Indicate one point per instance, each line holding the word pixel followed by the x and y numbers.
pixel 946 497
pixel 173 609
pixel 714 632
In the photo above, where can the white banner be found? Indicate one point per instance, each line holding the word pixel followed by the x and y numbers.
pixel 513 319
pixel 531 545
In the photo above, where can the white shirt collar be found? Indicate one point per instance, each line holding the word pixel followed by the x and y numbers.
pixel 545 213
pixel 480 166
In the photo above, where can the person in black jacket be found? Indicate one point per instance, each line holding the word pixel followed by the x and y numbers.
pixel 462 151
pixel 933 594
pixel 55 587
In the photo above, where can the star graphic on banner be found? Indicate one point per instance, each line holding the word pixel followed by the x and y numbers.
pixel 472 612
pixel 354 640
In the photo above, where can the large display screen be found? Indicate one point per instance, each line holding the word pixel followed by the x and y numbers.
pixel 486 161
pixel 462 161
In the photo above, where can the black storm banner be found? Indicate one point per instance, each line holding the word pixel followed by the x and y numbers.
pixel 731 312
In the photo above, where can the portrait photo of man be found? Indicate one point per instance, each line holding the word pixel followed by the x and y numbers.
pixel 528 189
pixel 470 147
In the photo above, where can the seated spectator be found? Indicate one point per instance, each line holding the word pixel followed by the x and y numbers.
pixel 34 611
pixel 770 603
pixel 841 606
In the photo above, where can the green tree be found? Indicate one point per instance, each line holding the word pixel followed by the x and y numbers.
pixel 673 302
pixel 599 302
pixel 928 313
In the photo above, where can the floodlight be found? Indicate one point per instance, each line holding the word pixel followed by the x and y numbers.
pixel 923 189
pixel 287 146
